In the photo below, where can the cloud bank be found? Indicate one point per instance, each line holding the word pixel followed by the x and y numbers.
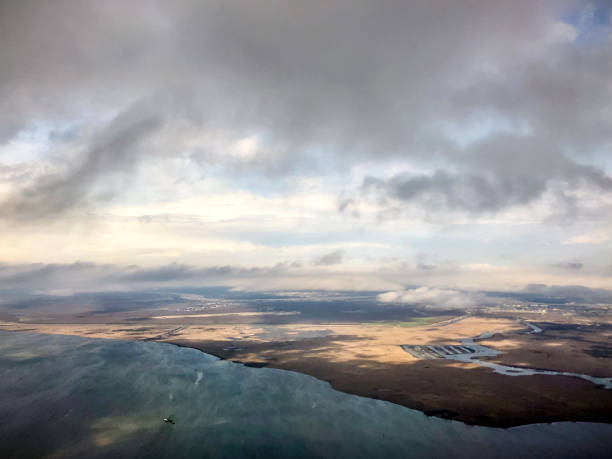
pixel 371 81
pixel 436 298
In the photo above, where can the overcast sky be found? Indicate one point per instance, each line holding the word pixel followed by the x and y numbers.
pixel 313 144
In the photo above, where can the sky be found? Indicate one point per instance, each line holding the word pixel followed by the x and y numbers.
pixel 270 144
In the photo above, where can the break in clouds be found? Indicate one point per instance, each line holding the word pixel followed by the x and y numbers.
pixel 348 141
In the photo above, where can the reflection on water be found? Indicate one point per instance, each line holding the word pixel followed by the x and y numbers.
pixel 73 397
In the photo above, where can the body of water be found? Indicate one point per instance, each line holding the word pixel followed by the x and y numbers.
pixel 64 396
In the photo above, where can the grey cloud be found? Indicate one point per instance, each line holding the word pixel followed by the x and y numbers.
pixel 33 275
pixel 568 265
pixel 571 292
pixel 444 190
pixel 345 203
pixel 114 150
pixel 496 173
pixel 423 263
pixel 563 98
pixel 425 266
pixel 348 206
pixel 24 280
pixel 332 258
pixel 19 173
pixel 354 79
pixel 84 277
pixel 182 272
pixel 166 273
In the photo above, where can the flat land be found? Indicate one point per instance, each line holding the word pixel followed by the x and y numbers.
pixel 366 358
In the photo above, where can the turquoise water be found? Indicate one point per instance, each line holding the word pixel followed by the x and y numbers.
pixel 63 396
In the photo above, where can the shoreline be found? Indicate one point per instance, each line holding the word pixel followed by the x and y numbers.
pixel 112 397
pixel 442 413
pixel 473 396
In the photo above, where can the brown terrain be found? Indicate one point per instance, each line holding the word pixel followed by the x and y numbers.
pixel 366 358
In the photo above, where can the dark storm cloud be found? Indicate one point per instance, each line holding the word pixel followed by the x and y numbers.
pixel 356 80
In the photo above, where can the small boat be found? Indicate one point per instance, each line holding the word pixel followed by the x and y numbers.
pixel 169 420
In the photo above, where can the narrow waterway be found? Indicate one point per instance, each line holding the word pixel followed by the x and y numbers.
pixel 483 351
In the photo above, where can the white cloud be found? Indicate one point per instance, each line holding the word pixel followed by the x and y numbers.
pixel 561 32
pixel 434 297
pixel 598 237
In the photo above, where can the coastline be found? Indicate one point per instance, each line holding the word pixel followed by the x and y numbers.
pixel 107 398
pixel 441 388
pixel 465 417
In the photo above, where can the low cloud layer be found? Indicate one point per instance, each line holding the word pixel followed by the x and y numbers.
pixel 568 265
pixel 437 298
pixel 64 279
pixel 90 276
pixel 22 284
pixel 571 293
